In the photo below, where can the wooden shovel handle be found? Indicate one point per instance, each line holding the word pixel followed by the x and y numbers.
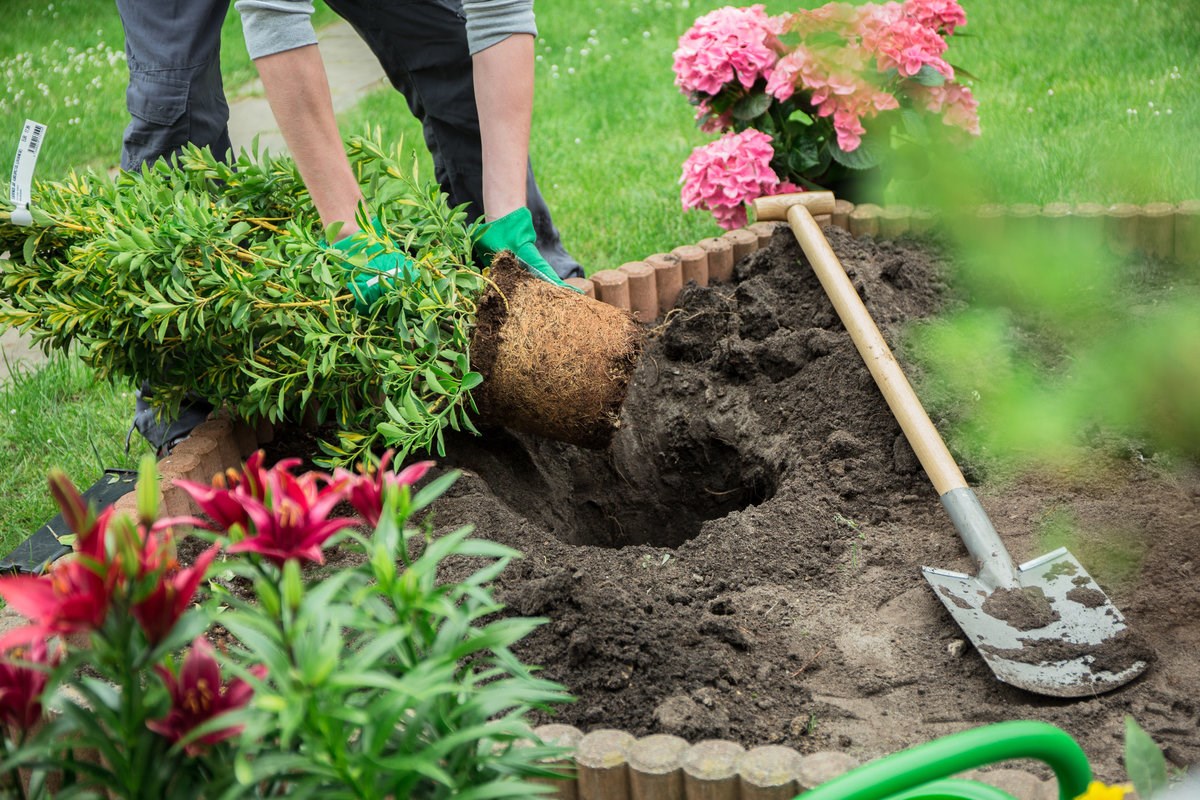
pixel 906 406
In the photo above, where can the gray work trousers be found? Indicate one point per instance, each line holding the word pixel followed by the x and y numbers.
pixel 176 97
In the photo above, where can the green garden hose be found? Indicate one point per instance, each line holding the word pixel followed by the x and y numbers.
pixel 954 789
pixel 917 773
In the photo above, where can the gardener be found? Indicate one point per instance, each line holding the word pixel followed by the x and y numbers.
pixel 175 93
pixel 176 96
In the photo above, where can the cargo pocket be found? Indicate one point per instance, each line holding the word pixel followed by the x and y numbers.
pixel 158 124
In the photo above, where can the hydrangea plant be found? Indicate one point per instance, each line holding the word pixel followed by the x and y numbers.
pixel 832 90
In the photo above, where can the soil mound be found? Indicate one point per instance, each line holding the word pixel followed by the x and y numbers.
pixel 743 562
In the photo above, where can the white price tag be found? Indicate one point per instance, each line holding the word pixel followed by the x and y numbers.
pixel 20 187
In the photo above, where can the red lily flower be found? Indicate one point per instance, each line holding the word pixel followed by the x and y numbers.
pixel 197 696
pixel 224 501
pixel 72 598
pixel 21 686
pixel 296 522
pixel 173 591
pixel 365 489
pixel 89 528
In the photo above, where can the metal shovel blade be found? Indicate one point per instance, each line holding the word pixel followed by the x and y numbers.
pixel 1055 633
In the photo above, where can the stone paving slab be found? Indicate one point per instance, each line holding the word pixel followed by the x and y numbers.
pixel 19 355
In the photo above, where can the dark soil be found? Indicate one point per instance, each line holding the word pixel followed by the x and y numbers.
pixel 1023 609
pixel 743 562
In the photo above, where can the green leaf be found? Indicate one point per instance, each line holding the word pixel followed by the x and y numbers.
pixel 801 117
pixel 961 74
pixel 411 411
pixel 433 382
pixel 434 489
pixel 801 159
pixel 1144 761
pixel 928 76
pixel 865 156
pixel 752 106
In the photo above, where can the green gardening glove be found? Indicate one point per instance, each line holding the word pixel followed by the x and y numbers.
pixel 514 232
pixel 369 281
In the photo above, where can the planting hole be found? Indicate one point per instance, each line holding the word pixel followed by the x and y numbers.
pixel 654 487
pixel 661 501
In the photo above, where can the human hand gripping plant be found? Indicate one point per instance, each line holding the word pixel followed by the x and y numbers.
pixel 832 91
pixel 374 681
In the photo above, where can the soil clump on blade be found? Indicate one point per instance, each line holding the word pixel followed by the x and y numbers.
pixel 744 560
pixel 1024 608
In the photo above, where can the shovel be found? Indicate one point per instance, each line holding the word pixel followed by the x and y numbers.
pixel 1044 626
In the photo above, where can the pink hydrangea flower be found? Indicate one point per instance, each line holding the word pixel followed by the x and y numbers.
pixel 945 15
pixel 849 128
pixel 850 64
pixel 900 41
pixel 726 45
pixel 788 72
pixel 829 17
pixel 954 102
pixel 724 175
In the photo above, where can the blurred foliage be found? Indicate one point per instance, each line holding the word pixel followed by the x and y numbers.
pixel 1058 336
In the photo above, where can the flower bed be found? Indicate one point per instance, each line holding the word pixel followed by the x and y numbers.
pixel 743 563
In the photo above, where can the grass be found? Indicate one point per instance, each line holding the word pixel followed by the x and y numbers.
pixel 1058 84
pixel 1084 101
pixel 58 416
pixel 611 131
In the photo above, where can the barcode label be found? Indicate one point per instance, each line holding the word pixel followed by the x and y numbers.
pixel 35 137
pixel 20 187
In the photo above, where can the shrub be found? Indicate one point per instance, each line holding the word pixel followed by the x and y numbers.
pixel 216 280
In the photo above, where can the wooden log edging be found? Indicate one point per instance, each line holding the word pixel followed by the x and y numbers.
pixel 1165 231
pixel 610 764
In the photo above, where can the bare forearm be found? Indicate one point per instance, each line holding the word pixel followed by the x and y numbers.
pixel 504 96
pixel 298 91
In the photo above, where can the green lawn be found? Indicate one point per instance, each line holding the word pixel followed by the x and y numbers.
pixel 1085 101
pixel 58 416
pixel 1058 82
